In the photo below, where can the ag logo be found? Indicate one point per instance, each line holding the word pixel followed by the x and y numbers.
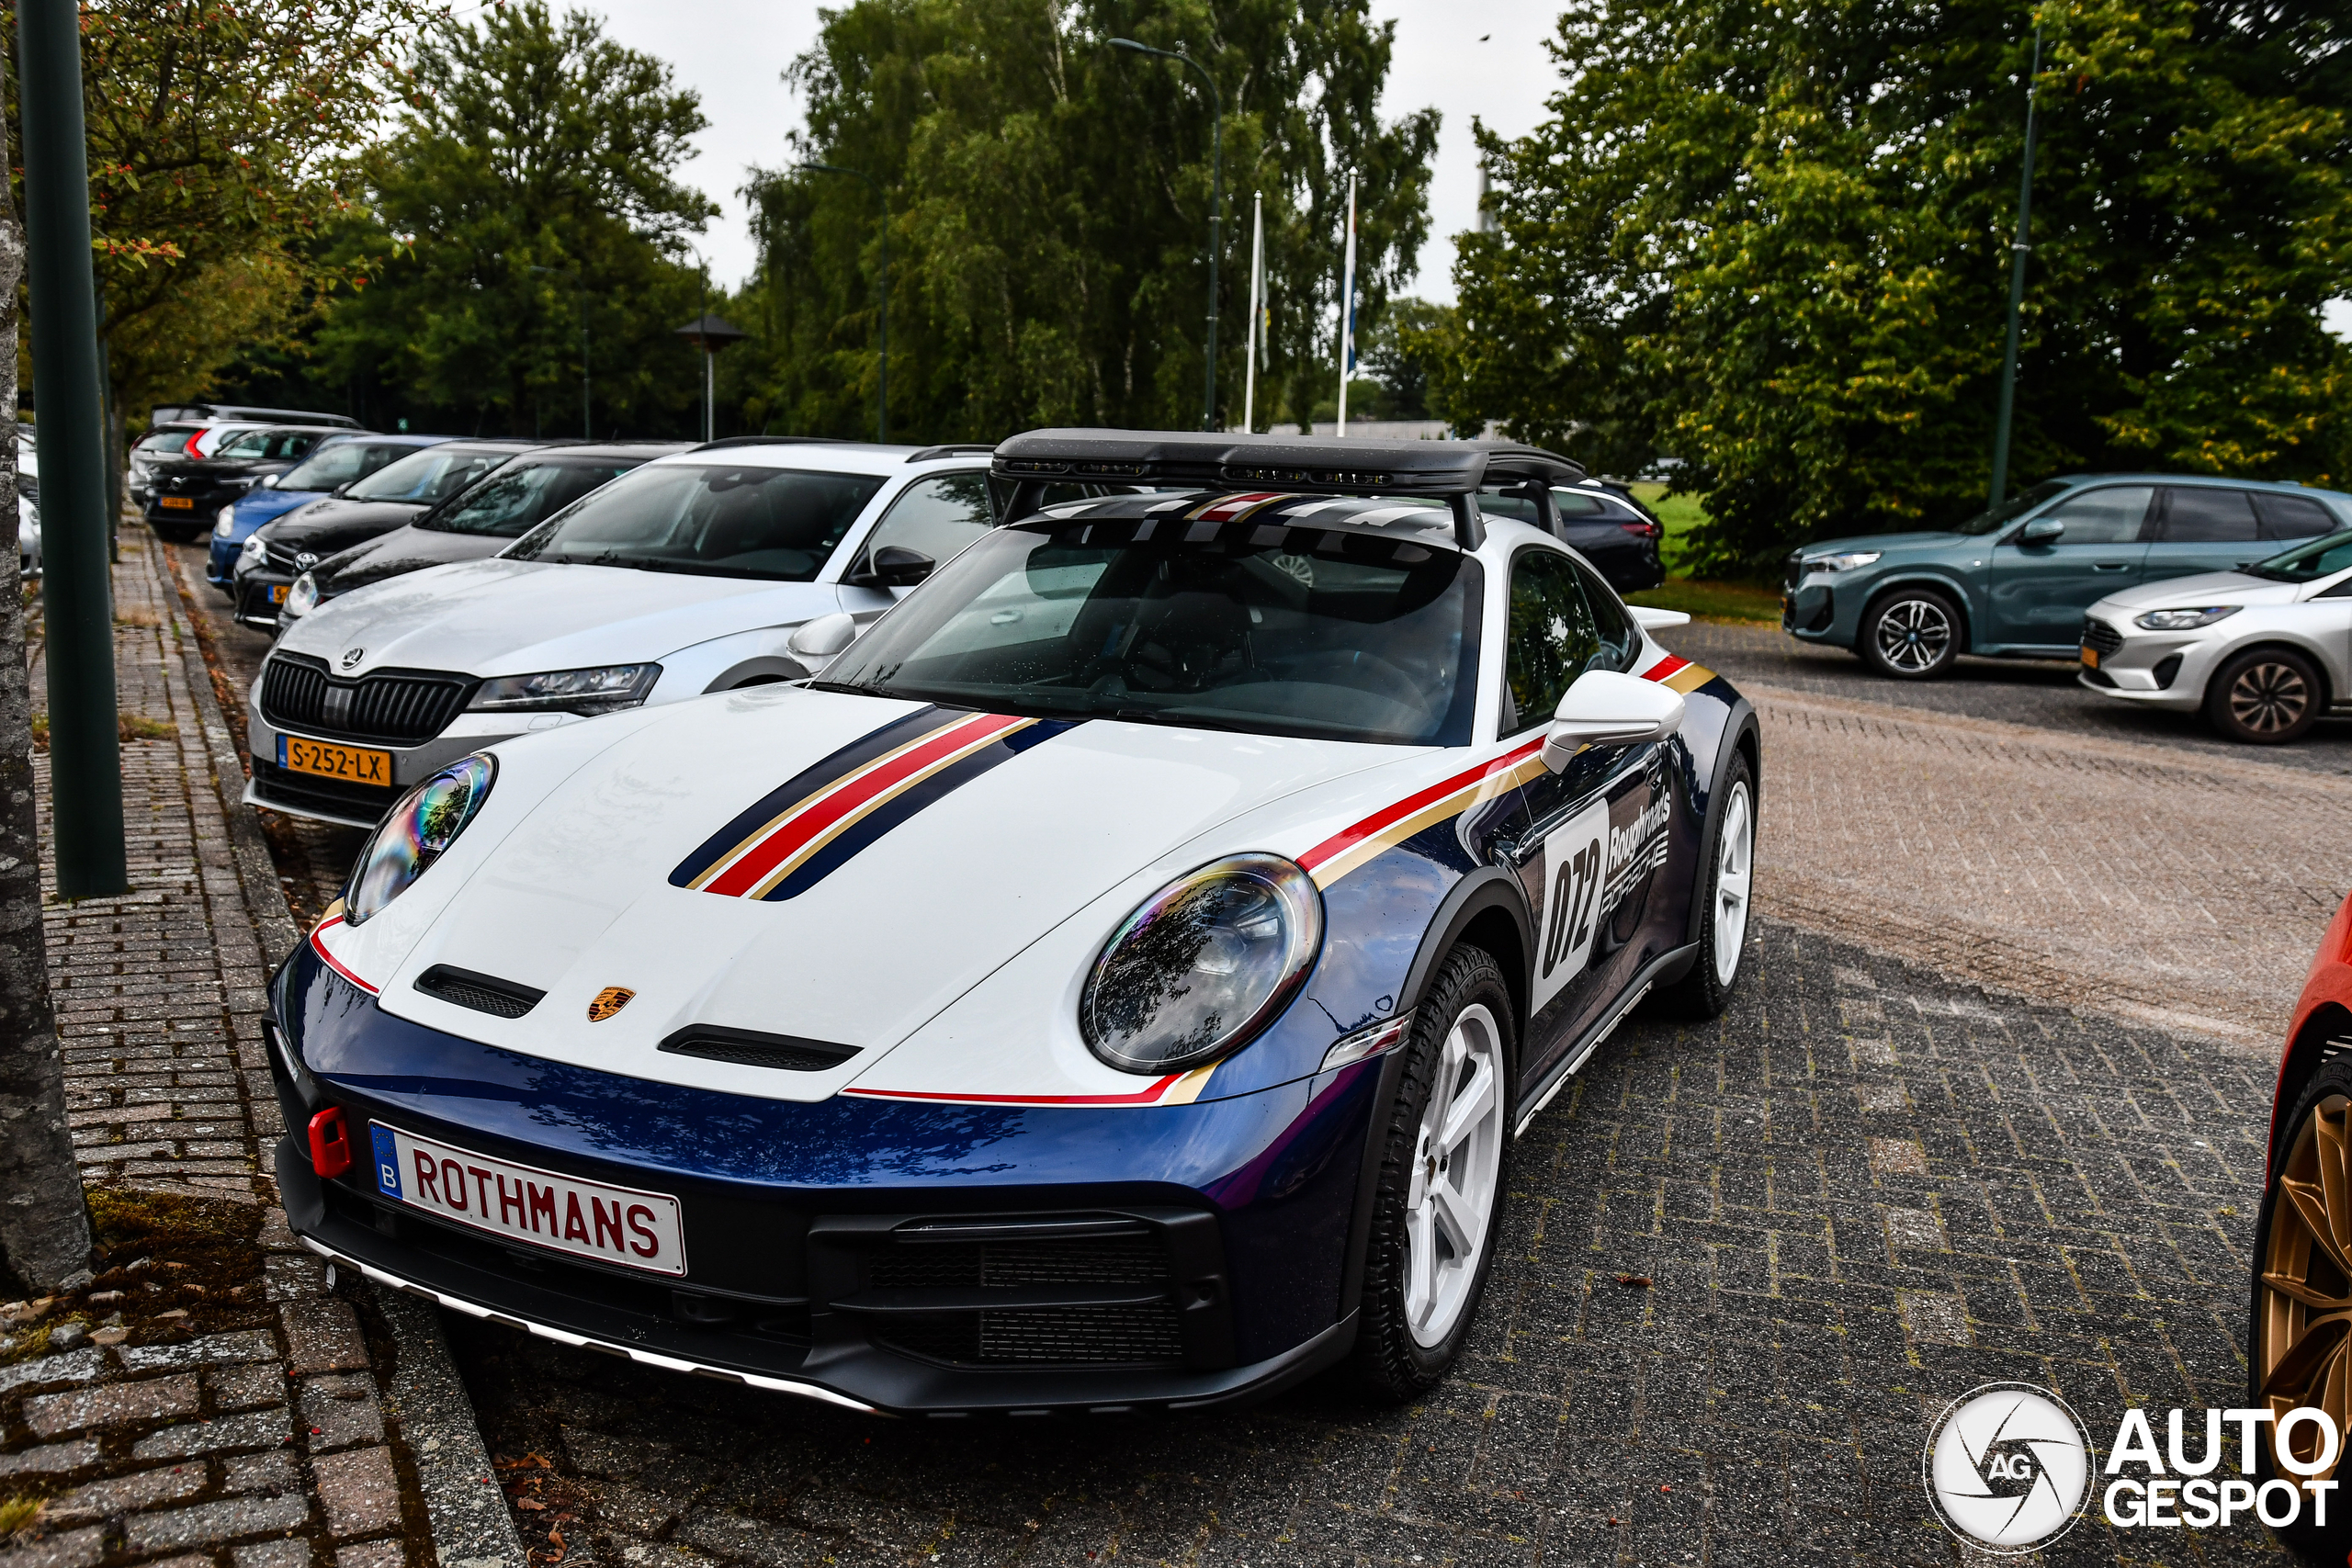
pixel 609 1000
pixel 2007 1468
pixel 352 656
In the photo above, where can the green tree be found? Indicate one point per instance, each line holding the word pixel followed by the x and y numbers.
pixel 1049 201
pixel 1774 242
pixel 531 181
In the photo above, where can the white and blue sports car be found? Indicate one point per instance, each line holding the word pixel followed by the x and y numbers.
pixel 1113 982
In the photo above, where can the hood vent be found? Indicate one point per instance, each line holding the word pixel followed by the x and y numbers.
pixel 484 993
pixel 751 1048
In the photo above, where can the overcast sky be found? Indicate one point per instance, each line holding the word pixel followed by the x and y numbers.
pixel 1465 58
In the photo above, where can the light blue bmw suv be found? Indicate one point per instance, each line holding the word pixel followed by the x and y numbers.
pixel 2014 581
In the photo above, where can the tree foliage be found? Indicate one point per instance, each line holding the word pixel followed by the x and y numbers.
pixel 530 182
pixel 1049 199
pixel 1774 242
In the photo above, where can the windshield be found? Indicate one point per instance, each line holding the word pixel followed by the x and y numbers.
pixel 2307 562
pixel 433 474
pixel 712 519
pixel 1985 522
pixel 506 505
pixel 341 462
pixel 165 441
pixel 1324 633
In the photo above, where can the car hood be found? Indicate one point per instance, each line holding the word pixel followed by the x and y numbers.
pixel 398 553
pixel 332 524
pixel 1931 540
pixel 2205 588
pixel 591 867
pixel 513 617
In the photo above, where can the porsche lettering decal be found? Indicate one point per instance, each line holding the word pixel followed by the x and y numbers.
pixel 800 832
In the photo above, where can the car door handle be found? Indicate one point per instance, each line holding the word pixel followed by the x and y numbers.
pixel 2110 566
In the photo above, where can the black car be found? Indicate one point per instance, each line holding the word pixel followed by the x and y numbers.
pixel 1601 521
pixel 479 521
pixel 391 497
pixel 185 497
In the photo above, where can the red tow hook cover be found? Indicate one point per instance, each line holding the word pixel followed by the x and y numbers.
pixel 330 1142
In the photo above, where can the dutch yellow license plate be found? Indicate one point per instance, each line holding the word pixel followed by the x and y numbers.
pixel 277 592
pixel 356 764
pixel 177 503
pixel 2090 658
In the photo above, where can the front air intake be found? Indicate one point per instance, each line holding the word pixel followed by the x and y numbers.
pixel 751 1048
pixel 484 993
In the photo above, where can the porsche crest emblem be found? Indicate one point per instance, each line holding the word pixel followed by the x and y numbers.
pixel 609 1000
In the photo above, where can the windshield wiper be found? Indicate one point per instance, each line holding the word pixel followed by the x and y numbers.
pixel 851 688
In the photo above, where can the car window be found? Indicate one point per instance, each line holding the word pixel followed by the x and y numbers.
pixel 941 516
pixel 165 441
pixel 2206 515
pixel 2109 514
pixel 713 518
pixel 433 474
pixel 1561 624
pixel 340 462
pixel 2308 562
pixel 2293 516
pixel 506 505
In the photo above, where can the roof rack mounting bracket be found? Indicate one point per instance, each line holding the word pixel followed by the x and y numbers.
pixel 1469 528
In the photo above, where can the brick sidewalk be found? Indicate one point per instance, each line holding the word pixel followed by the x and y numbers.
pixel 208 1402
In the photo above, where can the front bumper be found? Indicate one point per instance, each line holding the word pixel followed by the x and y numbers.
pixel 814 1230
pixel 257 595
pixel 272 785
pixel 2159 669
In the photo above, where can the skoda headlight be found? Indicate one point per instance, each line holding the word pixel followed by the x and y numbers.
pixel 418 831
pixel 226 523
pixel 2183 620
pixel 1846 560
pixel 604 689
pixel 300 599
pixel 1202 964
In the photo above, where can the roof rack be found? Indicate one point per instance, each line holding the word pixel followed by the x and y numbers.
pixel 1305 463
pixel 954 449
pixel 777 441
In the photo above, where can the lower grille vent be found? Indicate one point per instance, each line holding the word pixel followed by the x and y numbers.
pixel 749 1048
pixel 1141 1261
pixel 1063 1335
pixel 484 993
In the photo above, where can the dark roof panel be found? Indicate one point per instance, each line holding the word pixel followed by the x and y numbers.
pixel 1310 464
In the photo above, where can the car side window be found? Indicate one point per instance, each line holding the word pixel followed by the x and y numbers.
pixel 2206 515
pixel 2293 516
pixel 1562 624
pixel 939 517
pixel 2112 514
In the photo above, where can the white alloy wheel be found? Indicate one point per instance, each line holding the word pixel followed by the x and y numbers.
pixel 1457 1161
pixel 1735 865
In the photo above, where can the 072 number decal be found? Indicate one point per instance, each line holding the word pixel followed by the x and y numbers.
pixel 1576 866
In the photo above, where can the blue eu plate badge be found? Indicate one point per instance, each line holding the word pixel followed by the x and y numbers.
pixel 388 1162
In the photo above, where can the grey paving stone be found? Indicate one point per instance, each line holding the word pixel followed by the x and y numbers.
pixel 323 1336
pixel 74 1366
pixel 246 1388
pixel 341 1412
pixel 210 1524
pixel 272 1472
pixel 126 1494
pixel 110 1405
pixel 359 1492
pixel 272 1554
pixel 215 1350
pixel 50 1458
pixel 68 1549
pixel 260 1428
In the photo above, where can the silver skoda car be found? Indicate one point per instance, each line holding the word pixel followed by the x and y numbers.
pixel 2264 651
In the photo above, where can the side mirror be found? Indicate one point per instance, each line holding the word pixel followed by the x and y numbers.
pixel 269 481
pixel 893 566
pixel 1604 708
pixel 815 643
pixel 1651 620
pixel 2041 531
pixel 341 488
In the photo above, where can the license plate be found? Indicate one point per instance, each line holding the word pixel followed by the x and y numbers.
pixel 360 764
pixel 177 503
pixel 277 592
pixel 2090 658
pixel 586 1219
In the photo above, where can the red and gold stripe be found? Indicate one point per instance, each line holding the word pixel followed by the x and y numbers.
pixel 779 847
pixel 332 920
pixel 1176 1089
pixel 1349 848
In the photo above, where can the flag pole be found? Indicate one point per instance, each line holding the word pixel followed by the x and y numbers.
pixel 1348 308
pixel 1257 303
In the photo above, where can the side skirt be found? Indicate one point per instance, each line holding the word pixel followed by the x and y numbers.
pixel 1666 968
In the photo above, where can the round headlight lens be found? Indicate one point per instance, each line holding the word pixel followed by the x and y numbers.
pixel 224 522
pixel 300 599
pixel 1202 964
pixel 417 832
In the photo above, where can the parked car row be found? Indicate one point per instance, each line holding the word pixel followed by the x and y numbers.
pixel 2229 598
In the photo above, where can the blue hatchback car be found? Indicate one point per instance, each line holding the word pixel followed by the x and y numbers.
pixel 337 461
pixel 2014 581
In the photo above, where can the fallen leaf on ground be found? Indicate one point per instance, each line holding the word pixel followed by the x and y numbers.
pixel 1634 1281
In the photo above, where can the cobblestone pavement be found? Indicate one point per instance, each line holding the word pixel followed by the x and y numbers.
pixel 206 1401
pixel 1863 1192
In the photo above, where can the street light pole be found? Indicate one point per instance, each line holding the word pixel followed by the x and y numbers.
pixel 85 747
pixel 2017 292
pixel 1217 209
pixel 882 418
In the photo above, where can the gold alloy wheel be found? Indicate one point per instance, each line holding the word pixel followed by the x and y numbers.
pixel 2302 1326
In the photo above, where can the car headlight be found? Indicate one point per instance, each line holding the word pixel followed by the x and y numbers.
pixel 225 524
pixel 1846 560
pixel 2184 620
pixel 300 599
pixel 604 689
pixel 1202 964
pixel 416 832
pixel 253 548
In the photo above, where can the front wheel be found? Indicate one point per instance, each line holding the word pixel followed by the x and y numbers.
pixel 2300 1347
pixel 1725 886
pixel 1439 1203
pixel 1913 634
pixel 2264 696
